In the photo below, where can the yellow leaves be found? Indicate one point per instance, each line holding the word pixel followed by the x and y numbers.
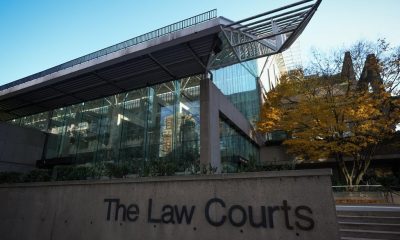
pixel 271 117
pixel 325 118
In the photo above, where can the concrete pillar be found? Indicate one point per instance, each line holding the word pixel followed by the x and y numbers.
pixel 210 153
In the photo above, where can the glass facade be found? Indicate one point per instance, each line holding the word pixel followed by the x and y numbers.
pixel 38 121
pixel 239 83
pixel 236 149
pixel 148 124
pixel 157 123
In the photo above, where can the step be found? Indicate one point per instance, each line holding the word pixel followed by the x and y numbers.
pixel 370 226
pixel 368 213
pixel 356 238
pixel 369 234
pixel 369 207
pixel 368 219
pixel 368 210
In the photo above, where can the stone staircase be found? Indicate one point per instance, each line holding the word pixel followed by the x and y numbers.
pixel 370 222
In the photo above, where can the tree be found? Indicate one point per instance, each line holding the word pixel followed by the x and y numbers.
pixel 327 117
pixel 388 57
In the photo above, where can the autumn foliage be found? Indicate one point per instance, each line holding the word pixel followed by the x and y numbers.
pixel 329 117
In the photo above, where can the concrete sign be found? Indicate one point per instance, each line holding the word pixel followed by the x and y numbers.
pixel 270 205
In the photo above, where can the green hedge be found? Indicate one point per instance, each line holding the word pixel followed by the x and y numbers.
pixel 10 177
pixel 112 170
pixel 37 175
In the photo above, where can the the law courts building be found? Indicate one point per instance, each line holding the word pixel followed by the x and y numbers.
pixel 189 92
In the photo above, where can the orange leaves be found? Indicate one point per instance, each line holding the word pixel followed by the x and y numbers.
pixel 271 117
pixel 324 117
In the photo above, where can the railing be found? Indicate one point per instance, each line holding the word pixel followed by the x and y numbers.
pixel 375 194
pixel 128 43
pixel 358 188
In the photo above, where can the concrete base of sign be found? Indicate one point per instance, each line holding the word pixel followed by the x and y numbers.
pixel 266 205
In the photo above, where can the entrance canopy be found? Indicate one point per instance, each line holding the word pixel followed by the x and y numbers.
pixel 189 47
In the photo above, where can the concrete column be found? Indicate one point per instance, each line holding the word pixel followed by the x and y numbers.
pixel 210 153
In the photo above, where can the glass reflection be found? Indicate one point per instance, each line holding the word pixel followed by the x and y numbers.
pixel 142 127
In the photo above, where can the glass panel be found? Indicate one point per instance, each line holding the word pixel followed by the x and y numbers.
pixel 236 150
pixel 241 88
pixel 133 122
pixel 110 128
pixel 64 132
pixel 16 121
pixel 188 120
pixel 38 121
pixel 89 131
pixel 57 130
pixel 162 121
pixel 71 131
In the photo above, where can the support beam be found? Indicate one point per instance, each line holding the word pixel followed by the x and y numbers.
pixel 252 25
pixel 210 153
pixel 96 74
pixel 206 70
pixel 196 57
pixel 162 66
pixel 65 93
pixel 269 12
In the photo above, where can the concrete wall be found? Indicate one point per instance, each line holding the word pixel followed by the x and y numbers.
pixel 270 205
pixel 20 147
pixel 274 155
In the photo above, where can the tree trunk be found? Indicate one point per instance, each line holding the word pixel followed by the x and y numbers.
pixel 348 175
pixel 354 173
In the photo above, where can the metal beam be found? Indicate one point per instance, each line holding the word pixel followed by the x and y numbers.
pixel 299 29
pixel 265 43
pixel 269 28
pixel 65 93
pixel 277 20
pixel 162 66
pixel 266 36
pixel 257 37
pixel 230 44
pixel 198 60
pixel 27 103
pixel 269 12
pixel 96 74
pixel 247 26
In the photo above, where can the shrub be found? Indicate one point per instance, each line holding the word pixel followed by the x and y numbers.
pixel 97 170
pixel 65 173
pixel 161 167
pixel 117 170
pixel 388 181
pixel 38 175
pixel 282 167
pixel 10 177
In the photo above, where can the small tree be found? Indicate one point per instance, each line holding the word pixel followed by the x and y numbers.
pixel 327 118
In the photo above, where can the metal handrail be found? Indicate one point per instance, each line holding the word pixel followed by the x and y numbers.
pixel 203 17
pixel 386 191
pixel 358 188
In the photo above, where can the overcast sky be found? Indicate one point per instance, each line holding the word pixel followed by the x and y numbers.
pixel 38 34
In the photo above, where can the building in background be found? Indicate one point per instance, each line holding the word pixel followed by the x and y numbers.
pixel 188 93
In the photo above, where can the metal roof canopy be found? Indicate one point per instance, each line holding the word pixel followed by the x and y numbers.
pixel 176 51
pixel 268 33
